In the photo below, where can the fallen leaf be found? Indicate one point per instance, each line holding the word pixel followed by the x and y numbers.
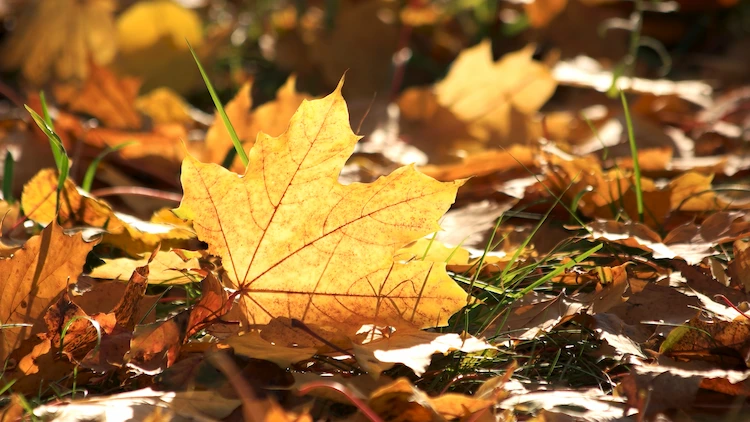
pixel 33 279
pixel 739 267
pixel 168 267
pixel 39 199
pixel 254 346
pixel 56 39
pixel 211 306
pixel 480 103
pixel 140 404
pixel 712 340
pixel 103 296
pixel 584 404
pixel 152 54
pixel 155 347
pixel 164 106
pixel 536 313
pixel 618 334
pixel 689 241
pixel 348 45
pixel 483 163
pixel 104 96
pixel 295 252
pixel 414 349
pixel 402 401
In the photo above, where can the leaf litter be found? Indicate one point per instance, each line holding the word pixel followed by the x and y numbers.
pixel 508 274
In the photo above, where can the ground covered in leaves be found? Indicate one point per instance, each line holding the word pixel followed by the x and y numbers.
pixel 400 211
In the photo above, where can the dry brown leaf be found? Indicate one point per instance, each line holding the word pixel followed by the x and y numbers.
pixel 298 244
pixel 271 118
pixel 739 267
pixel 57 39
pixel 401 401
pixel 604 193
pixel 211 306
pixel 141 404
pixel 689 241
pixel 33 279
pixel 103 296
pixel 712 340
pixel 104 96
pixel 536 313
pixel 155 347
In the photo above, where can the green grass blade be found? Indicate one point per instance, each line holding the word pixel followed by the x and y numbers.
pixel 557 271
pixel 8 178
pixel 45 110
pixel 220 108
pixel 634 153
pixel 58 150
pixel 88 179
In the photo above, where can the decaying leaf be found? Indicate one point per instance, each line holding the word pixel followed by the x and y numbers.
pixel 212 305
pixel 33 279
pixel 300 245
pixel 155 347
pixel 689 241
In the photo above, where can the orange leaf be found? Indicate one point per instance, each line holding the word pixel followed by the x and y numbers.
pixel 33 279
pixel 104 96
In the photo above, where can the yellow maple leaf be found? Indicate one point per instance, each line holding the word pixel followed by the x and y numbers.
pixel 301 245
pixel 33 278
